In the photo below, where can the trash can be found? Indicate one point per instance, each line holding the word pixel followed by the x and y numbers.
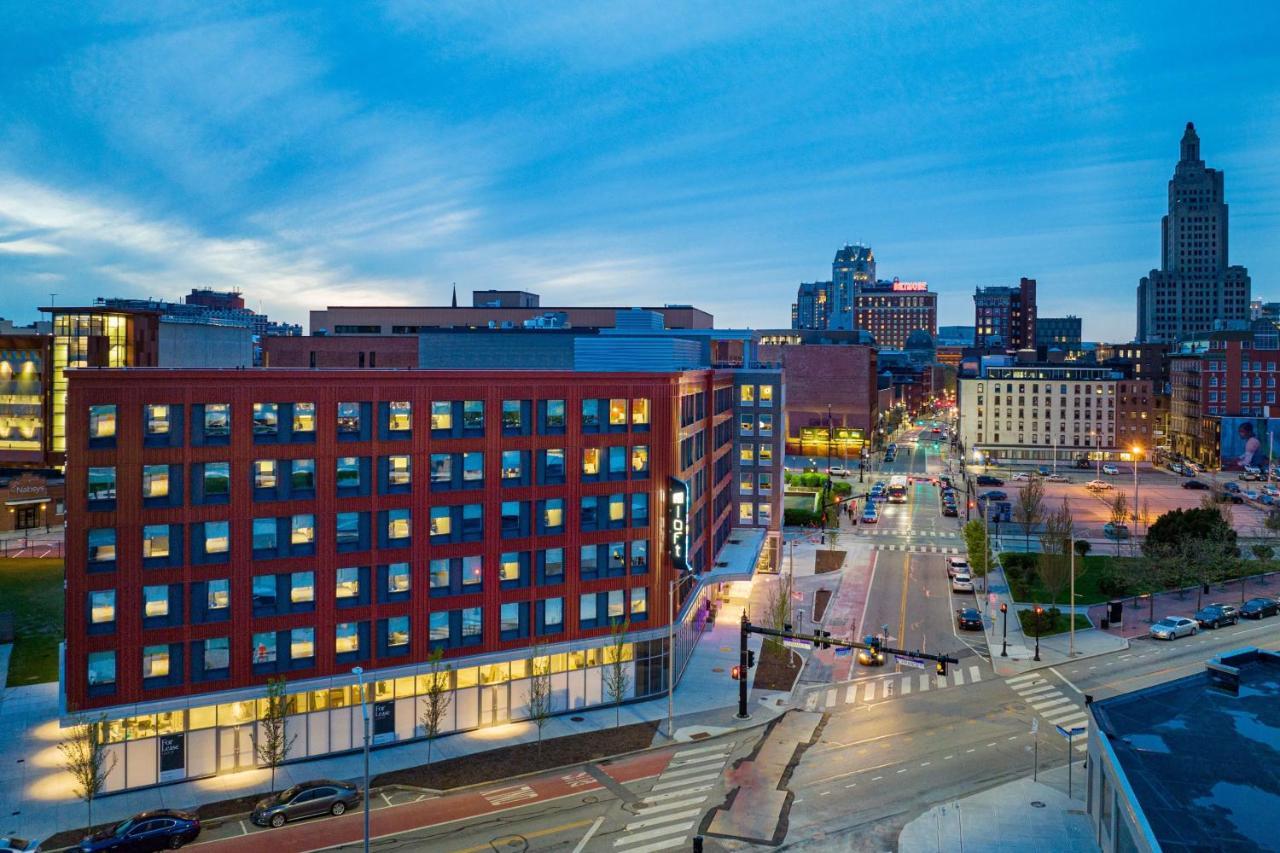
pixel 1105 624
pixel 1115 612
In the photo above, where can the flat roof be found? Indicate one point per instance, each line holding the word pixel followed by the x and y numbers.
pixel 1203 761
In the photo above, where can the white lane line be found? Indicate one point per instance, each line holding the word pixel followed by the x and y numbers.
pixel 903 770
pixel 658 821
pixel 582 845
pixel 654 833
pixel 975 674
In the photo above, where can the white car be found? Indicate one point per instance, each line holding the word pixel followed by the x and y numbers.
pixel 1098 485
pixel 957 566
pixel 1110 470
pixel 1020 476
pixel 962 583
pixel 840 471
pixel 1058 478
pixel 1173 627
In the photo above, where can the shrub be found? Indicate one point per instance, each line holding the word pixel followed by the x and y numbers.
pixel 842 488
pixel 796 517
pixel 813 479
pixel 1115 583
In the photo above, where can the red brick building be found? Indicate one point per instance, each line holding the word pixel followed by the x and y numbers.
pixel 822 379
pixel 328 351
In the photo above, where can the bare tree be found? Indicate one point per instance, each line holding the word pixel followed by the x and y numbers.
pixel 617 679
pixel 1029 508
pixel 274 741
pixel 1119 507
pixel 539 705
pixel 436 699
pixel 85 757
pixel 1055 544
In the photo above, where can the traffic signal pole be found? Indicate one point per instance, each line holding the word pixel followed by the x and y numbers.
pixel 743 667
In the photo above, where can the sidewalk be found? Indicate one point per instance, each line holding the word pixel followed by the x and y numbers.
pixel 1137 617
pixel 35 793
pixel 1019 815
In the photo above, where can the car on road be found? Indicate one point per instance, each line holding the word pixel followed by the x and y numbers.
pixel 1173 627
pixel 162 829
pixel 840 471
pixel 1175 468
pixel 1233 488
pixel 867 657
pixel 1058 478
pixel 988 480
pixel 13 844
pixel 1195 484
pixel 1258 608
pixel 950 511
pixel 1115 530
pixel 993 496
pixel 306 799
pixel 968 619
pixel 1216 615
pixel 1098 485
pixel 1251 472
pixel 1272 490
pixel 1110 470
pixel 962 582
pixel 957 566
pixel 869 514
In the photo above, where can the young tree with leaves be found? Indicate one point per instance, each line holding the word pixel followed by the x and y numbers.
pixel 1028 510
pixel 617 678
pixel 977 546
pixel 1055 544
pixel 86 758
pixel 539 704
pixel 436 699
pixel 274 741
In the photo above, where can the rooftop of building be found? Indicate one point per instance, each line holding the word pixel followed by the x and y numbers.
pixel 1201 754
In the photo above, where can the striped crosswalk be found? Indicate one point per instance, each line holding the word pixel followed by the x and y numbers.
pixel 1050 703
pixel 880 689
pixel 871 530
pixel 670 811
pixel 916 549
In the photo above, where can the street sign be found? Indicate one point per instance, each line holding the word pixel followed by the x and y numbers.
pixel 1072 732
pixel 906 661
pixel 1035 725
pixel 843 651
pixel 795 644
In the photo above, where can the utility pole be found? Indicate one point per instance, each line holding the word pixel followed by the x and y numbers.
pixel 744 663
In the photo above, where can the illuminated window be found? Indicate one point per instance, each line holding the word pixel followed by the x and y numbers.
pixel 746 423
pixel 398 523
pixel 473 414
pixel 765 513
pixel 264 647
pixel 349 418
pixel 217 419
pixel 348 583
pixel 511 465
pixel 264 474
pixel 347 638
pixel 304 417
pixel 102 544
pixel 102 484
pixel 617 508
pixel 472 571
pixel 398 578
pixel 639 601
pixel 618 412
pixel 218 594
pixel 266 419
pixel 746 512
pixel 747 394
pixel 302 587
pixel 302 474
pixel 217 537
pixel 441 414
pixel 441 521
pixel 766 454
pixel 398 631
pixel 766 424
pixel 155 481
pixel 399 416
pixel 155 601
pixel 746 484
pixel 746 454
pixel 766 395
pixel 509 567
pixel 155 661
pixel 399 470
pixel 102 421
pixel 640 410
pixel 590 461
pixel 102 606
pixel 766 483
pixel 302 643
pixel 553 514
pixel 156 418
pixel 640 458
pixel 302 529
pixel 155 540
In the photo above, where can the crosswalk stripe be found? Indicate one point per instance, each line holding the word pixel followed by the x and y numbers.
pixel 1018 679
pixel 653 833
pixel 1044 706
pixel 658 821
pixel 869 692
pixel 831 698
pixel 697 759
pixel 924 682
pixel 645 811
pixel 942 681
pixel 1040 688
pixel 959 678
pixel 1074 717
pixel 850 694
pixel 719 747
pixel 906 686
pixel 658 798
pixel 975 674
pixel 665 844
pixel 686 771
pixel 663 786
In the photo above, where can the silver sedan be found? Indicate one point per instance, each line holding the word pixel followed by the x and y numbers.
pixel 1173 627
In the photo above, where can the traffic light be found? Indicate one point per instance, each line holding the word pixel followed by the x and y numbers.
pixel 875 643
pixel 751 659
pixel 736 673
pixel 942 668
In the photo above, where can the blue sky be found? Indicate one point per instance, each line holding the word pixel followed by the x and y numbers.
pixel 718 154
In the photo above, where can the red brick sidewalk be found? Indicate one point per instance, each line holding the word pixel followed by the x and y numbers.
pixel 1137 612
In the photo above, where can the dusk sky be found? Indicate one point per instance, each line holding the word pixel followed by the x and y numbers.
pixel 621 153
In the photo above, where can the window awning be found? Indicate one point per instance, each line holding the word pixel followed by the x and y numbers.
pixel 28 501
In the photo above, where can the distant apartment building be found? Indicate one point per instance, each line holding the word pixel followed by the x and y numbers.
pixel 1196 290
pixel 812 305
pixel 1006 316
pixel 854 299
pixel 1191 433
pixel 892 310
pixel 1059 333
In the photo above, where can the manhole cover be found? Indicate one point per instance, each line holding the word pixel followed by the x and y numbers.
pixel 1036 804
pixel 577 719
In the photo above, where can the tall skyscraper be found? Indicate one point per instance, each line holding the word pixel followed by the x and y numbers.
pixel 1006 316
pixel 1194 291
pixel 854 268
pixel 809 311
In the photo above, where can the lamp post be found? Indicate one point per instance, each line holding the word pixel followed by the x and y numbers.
pixel 1039 611
pixel 1004 638
pixel 1071 545
pixel 364 716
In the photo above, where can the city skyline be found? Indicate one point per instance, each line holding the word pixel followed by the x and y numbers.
pixel 309 159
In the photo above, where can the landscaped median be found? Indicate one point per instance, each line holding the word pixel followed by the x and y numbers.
pixel 1049 621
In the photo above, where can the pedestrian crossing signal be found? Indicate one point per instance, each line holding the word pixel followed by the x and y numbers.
pixel 736 673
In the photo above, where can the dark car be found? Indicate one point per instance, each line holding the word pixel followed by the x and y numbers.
pixel 1216 615
pixel 1194 484
pixel 988 480
pixel 308 799
pixel 994 496
pixel 969 619
pixel 163 829
pixel 950 511
pixel 1256 608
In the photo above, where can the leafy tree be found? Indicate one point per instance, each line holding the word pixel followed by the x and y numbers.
pixel 1028 509
pixel 1083 547
pixel 978 546
pixel 85 757
pixel 540 693
pixel 617 678
pixel 274 741
pixel 1055 543
pixel 436 699
pixel 1180 526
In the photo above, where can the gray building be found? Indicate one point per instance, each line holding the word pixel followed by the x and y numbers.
pixel 956 336
pixel 1059 332
pixel 853 269
pixel 810 309
pixel 1195 290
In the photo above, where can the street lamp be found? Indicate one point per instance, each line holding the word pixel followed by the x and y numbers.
pixel 364 715
pixel 1039 613
pixel 1004 639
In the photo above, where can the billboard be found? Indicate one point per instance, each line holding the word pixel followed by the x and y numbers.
pixel 1247 442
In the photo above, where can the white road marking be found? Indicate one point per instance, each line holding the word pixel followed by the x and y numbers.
pixel 662 786
pixel 906 686
pixel 869 692
pixel 959 677
pixel 975 674
pixel 831 698
pixel 924 682
pixel 582 845
pixel 645 811
pixel 851 694
pixel 658 821
pixel 720 747
pixel 655 833
pixel 657 798
pixel 1018 679
pixel 687 771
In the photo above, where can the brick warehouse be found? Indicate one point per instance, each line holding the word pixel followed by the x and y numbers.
pixel 229 526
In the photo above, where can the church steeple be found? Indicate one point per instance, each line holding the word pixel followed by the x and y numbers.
pixel 1190 144
pixel 455 294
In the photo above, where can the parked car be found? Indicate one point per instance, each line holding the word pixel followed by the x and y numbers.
pixel 13 844
pixel 1175 468
pixel 962 582
pixel 155 830
pixel 1252 494
pixel 840 471
pixel 969 619
pixel 1258 608
pixel 1233 488
pixel 1098 485
pixel 1020 477
pixel 308 799
pixel 866 657
pixel 1195 484
pixel 1058 478
pixel 1044 470
pixel 1110 470
pixel 957 566
pixel 1115 530
pixel 1251 472
pixel 1217 615
pixel 988 480
pixel 1271 490
pixel 993 496
pixel 1173 627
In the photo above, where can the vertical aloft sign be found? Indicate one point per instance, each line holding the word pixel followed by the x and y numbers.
pixel 678 524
